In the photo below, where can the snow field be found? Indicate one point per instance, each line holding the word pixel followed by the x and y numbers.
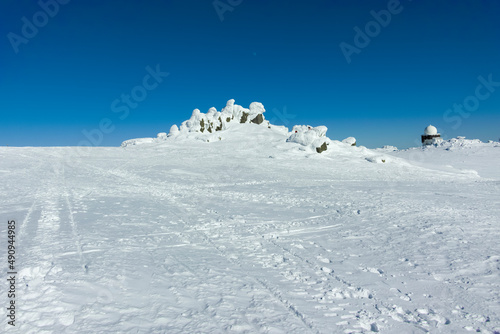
pixel 253 236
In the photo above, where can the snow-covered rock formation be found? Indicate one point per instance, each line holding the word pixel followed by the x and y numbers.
pixel 211 122
pixel 314 137
pixel 210 126
pixel 215 120
pixel 247 124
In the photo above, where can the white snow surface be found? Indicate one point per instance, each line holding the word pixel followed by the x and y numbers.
pixel 252 234
pixel 460 155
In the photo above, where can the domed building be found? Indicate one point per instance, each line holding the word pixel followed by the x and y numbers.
pixel 430 135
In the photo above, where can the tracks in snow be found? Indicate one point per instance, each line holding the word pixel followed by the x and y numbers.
pixel 47 233
pixel 309 292
pixel 223 269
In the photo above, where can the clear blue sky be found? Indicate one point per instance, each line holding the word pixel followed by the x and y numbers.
pixel 62 80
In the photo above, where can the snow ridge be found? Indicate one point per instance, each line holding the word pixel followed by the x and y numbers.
pixel 461 142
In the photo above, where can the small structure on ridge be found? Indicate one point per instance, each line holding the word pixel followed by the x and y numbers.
pixel 430 136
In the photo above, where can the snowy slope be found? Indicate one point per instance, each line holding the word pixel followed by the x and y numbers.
pixel 250 233
pixel 469 156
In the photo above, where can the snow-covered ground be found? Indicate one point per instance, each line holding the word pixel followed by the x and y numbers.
pixel 459 155
pixel 249 233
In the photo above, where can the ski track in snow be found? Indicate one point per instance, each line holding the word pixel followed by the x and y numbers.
pixel 136 241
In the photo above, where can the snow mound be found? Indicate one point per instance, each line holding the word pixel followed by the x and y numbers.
pixel 174 131
pixel 160 137
pixel 350 141
pixel 312 137
pixel 138 141
pixel 378 159
pixel 389 148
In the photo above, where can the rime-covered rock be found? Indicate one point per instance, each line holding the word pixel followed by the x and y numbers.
pixel 215 120
pixel 350 141
pixel 313 137
pixel 174 131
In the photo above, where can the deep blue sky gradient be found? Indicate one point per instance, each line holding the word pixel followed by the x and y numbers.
pixel 284 54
